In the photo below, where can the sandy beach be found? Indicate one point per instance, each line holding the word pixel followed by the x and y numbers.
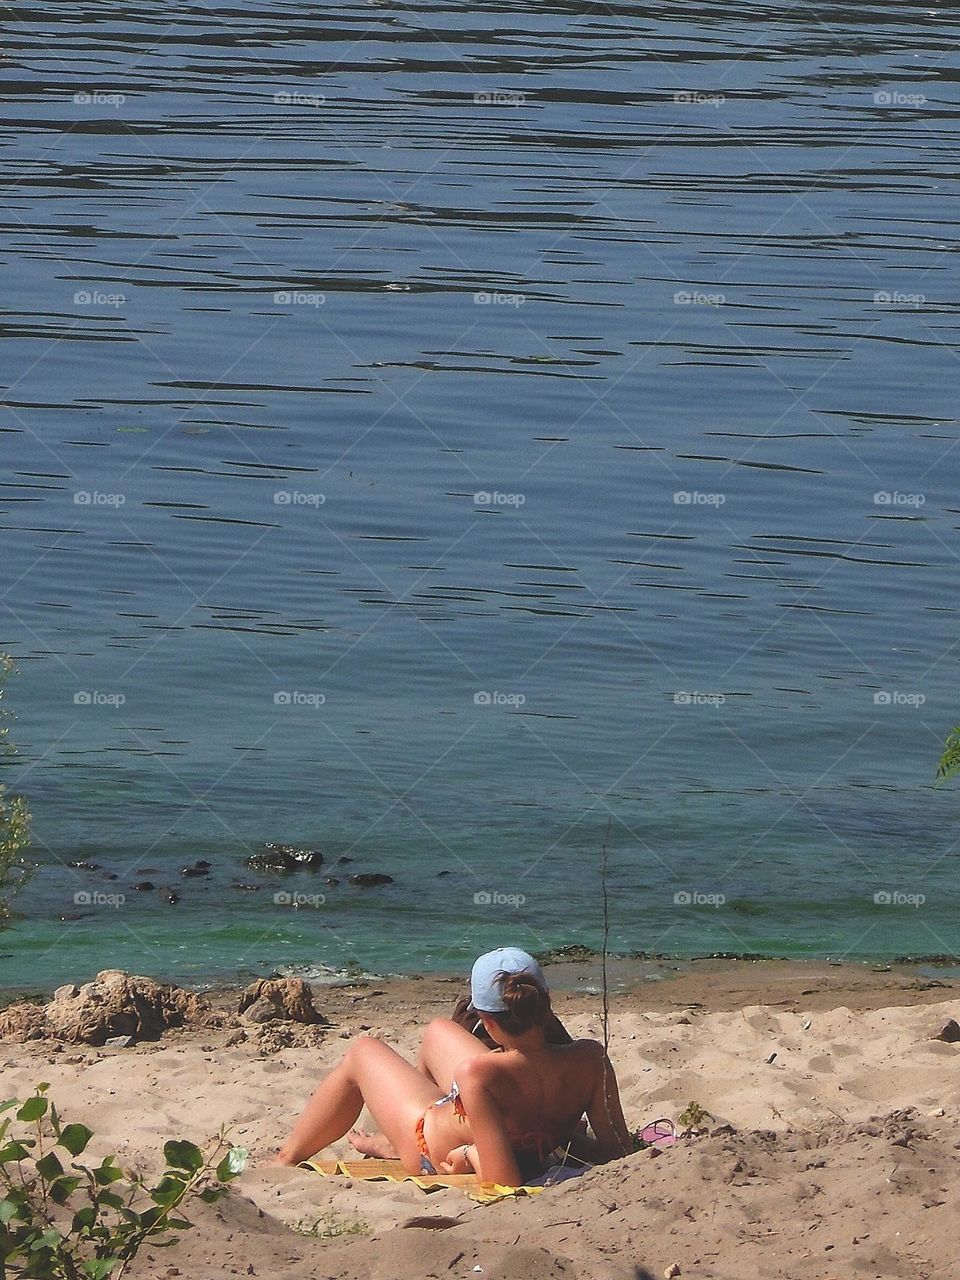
pixel 833 1149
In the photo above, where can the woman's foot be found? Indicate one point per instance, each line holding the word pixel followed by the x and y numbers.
pixel 372 1144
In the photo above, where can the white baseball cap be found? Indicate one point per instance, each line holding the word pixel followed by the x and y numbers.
pixel 485 981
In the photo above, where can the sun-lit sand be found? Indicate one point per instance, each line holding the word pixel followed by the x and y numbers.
pixel 795 1180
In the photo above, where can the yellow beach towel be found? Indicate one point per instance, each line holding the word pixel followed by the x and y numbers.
pixel 393 1171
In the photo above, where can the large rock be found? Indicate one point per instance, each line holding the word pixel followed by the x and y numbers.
pixel 113 1004
pixel 290 998
pixel 22 1021
pixel 286 857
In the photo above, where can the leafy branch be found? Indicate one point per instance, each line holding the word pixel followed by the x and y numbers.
pixel 88 1222
pixel 949 765
pixel 14 820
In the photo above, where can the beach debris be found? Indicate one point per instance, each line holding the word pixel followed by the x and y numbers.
pixel 771 1058
pixel 279 999
pixel 370 879
pixel 807 1024
pixel 285 857
pixel 950 1032
pixel 113 1004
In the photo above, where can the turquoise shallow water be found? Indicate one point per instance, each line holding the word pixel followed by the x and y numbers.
pixel 435 436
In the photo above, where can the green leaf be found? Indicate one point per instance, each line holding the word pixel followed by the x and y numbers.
pixel 8 1211
pixel 33 1109
pixel 99 1268
pixel 168 1191
pixel 109 1171
pixel 84 1218
pixel 63 1188
pixel 75 1138
pixel 210 1195
pixel 110 1199
pixel 183 1155
pixel 232 1164
pixel 149 1217
pixel 15 1150
pixel 49 1167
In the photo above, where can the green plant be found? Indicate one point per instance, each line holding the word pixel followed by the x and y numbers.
pixel 949 765
pixel 14 821
pixel 87 1223
pixel 330 1226
pixel 693 1118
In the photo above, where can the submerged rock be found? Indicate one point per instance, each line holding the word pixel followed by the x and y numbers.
pixel 369 879
pixel 285 857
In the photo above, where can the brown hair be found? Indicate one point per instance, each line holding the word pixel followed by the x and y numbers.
pixel 528 1004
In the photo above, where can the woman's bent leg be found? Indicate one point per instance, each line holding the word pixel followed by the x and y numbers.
pixel 371 1073
pixel 444 1046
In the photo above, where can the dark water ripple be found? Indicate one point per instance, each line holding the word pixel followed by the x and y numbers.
pixel 432 433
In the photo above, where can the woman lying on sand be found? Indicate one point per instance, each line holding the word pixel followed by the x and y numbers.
pixel 499 1112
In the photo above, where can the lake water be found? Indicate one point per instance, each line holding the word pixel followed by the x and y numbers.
pixel 440 434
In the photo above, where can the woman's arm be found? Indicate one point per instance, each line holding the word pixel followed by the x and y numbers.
pixel 492 1152
pixel 605 1111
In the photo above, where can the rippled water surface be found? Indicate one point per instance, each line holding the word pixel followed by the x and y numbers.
pixel 435 434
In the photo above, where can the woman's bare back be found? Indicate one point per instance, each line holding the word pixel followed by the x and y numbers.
pixel 541 1095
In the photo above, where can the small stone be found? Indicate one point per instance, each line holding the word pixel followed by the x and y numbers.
pixel 66 992
pixel 950 1032
pixel 672 1271
pixel 118 1042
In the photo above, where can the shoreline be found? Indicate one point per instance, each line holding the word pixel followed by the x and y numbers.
pixel 711 983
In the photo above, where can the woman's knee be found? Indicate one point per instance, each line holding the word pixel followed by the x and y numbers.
pixel 361 1051
pixel 437 1031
